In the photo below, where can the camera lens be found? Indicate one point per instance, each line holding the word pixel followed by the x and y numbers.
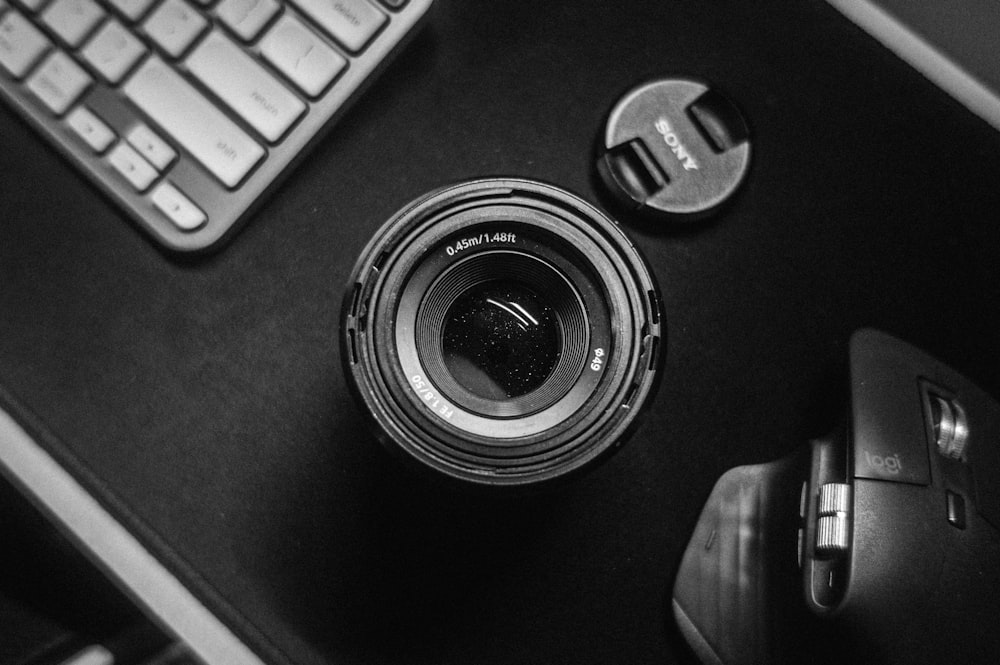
pixel 500 341
pixel 502 333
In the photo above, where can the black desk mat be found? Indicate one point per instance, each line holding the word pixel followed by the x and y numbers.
pixel 204 402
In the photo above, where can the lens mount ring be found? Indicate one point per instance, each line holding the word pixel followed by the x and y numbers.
pixel 584 317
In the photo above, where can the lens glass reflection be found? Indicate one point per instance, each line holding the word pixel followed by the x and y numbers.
pixel 500 340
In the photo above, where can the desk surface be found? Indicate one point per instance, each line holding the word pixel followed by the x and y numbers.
pixel 203 403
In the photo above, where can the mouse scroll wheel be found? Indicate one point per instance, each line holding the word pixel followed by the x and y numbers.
pixel 951 429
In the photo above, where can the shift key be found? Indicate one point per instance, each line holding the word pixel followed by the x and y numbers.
pixel 193 121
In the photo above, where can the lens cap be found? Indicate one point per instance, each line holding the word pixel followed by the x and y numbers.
pixel 674 149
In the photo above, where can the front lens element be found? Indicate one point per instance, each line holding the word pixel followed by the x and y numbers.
pixel 487 336
pixel 500 341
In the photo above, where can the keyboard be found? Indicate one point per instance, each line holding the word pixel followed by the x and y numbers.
pixel 186 112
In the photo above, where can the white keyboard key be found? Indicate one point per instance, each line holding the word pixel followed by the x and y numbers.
pixel 32 5
pixel 247 17
pixel 177 207
pixel 59 82
pixel 90 128
pixel 132 9
pixel 151 146
pixel 301 55
pixel 132 166
pixel 72 20
pixel 113 51
pixel 21 44
pixel 245 86
pixel 174 25
pixel 351 22
pixel 193 122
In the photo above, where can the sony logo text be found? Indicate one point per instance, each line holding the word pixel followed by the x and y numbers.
pixel 670 137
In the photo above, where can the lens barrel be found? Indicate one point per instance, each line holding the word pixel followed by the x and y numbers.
pixel 502 332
